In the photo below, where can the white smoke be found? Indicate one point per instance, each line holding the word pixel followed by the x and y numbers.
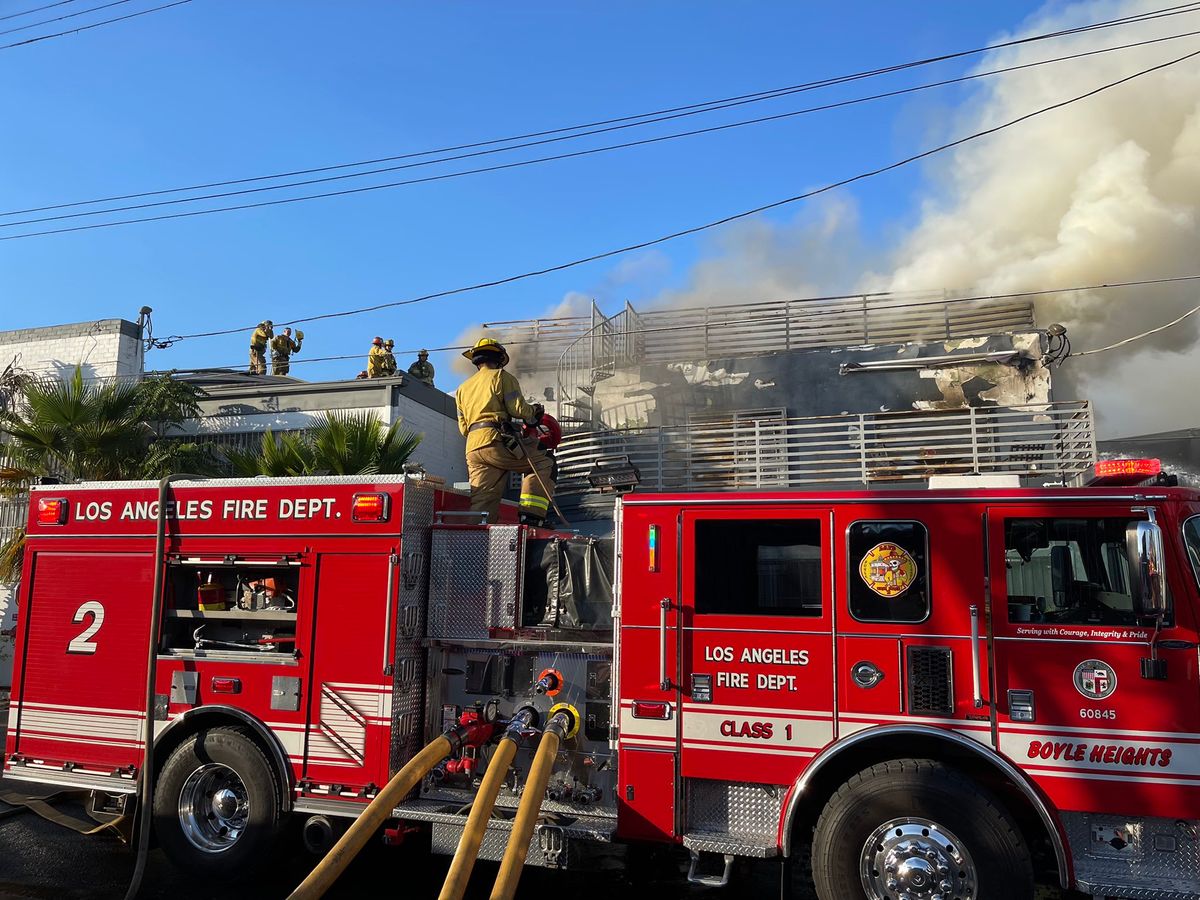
pixel 818 252
pixel 1103 190
pixel 572 304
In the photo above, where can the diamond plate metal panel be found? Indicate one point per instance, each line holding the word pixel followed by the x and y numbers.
pixel 745 813
pixel 704 843
pixel 551 846
pixel 475 581
pixel 1153 858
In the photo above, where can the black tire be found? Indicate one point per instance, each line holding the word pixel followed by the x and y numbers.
pixel 975 838
pixel 214 772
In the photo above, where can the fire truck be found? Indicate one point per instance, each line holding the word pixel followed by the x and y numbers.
pixel 909 694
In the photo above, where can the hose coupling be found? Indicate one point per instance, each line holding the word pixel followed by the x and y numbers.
pixel 549 683
pixel 564 720
pixel 469 732
pixel 523 721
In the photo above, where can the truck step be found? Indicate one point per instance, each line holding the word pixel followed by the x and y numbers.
pixel 711 881
pixel 1146 889
pixel 709 842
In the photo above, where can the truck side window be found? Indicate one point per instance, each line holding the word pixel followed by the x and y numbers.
pixel 1068 571
pixel 757 566
pixel 1191 537
pixel 889 571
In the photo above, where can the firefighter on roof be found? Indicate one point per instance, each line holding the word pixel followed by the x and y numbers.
pixel 389 357
pixel 282 348
pixel 490 403
pixel 422 369
pixel 377 359
pixel 258 347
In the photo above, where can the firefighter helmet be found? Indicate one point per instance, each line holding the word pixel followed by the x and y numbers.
pixel 377 341
pixel 485 348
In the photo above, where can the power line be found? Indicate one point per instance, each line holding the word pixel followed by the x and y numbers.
pixel 1138 337
pixel 46 37
pixel 82 12
pixel 504 166
pixel 807 314
pixel 691 109
pixel 29 12
pixel 628 248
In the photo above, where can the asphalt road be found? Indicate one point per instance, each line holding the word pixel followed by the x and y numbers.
pixel 41 860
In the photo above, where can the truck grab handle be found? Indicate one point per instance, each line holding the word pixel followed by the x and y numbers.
pixel 975 656
pixel 664 606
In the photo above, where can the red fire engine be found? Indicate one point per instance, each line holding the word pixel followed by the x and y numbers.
pixel 925 694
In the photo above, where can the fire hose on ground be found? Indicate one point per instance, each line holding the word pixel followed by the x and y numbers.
pixel 326 872
pixel 563 723
pixel 455 885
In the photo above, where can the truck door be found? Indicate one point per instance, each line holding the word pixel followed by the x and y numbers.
pixel 1075 706
pixel 912 595
pixel 756 643
pixel 349 706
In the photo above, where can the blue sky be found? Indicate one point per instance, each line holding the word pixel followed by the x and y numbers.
pixel 218 89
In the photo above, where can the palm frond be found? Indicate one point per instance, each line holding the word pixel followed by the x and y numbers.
pixel 12 555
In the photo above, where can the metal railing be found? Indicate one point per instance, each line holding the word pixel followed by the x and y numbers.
pixel 536 344
pixel 1055 440
pixel 628 337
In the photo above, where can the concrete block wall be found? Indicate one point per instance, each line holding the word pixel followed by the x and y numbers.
pixel 104 349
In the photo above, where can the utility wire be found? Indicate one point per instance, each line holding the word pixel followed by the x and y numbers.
pixel 527 162
pixel 46 37
pixel 691 109
pixel 1138 337
pixel 695 229
pixel 803 315
pixel 82 12
pixel 29 12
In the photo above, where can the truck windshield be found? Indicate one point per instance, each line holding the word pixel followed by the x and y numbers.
pixel 1191 537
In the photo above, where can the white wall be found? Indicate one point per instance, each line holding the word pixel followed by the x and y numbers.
pixel 105 348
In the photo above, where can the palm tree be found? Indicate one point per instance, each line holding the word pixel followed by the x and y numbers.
pixel 278 455
pixel 340 443
pixel 77 430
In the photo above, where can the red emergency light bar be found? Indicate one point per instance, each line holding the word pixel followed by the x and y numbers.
pixel 52 511
pixel 371 507
pixel 1125 471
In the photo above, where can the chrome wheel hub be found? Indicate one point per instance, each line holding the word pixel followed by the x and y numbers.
pixel 214 808
pixel 916 859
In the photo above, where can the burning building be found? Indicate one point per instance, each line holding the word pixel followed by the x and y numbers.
pixel 868 390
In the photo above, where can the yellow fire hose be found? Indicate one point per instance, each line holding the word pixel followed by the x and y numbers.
pixel 564 722
pixel 321 878
pixel 459 875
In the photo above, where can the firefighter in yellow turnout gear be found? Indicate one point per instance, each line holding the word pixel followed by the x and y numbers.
pixel 282 348
pixel 487 402
pixel 377 359
pixel 258 347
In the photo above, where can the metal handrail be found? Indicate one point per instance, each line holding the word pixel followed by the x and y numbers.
pixel 629 338
pixel 1052 440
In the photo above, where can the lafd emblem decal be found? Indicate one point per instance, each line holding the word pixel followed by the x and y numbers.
pixel 1095 679
pixel 888 569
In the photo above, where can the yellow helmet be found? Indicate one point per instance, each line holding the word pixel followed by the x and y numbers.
pixel 487 346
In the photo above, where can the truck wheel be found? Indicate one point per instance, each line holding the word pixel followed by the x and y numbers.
pixel 217 807
pixel 915 829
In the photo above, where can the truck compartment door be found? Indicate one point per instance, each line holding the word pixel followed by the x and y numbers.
pixel 350 702
pixel 84 636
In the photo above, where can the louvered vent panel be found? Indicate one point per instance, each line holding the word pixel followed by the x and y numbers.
pixel 930 681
